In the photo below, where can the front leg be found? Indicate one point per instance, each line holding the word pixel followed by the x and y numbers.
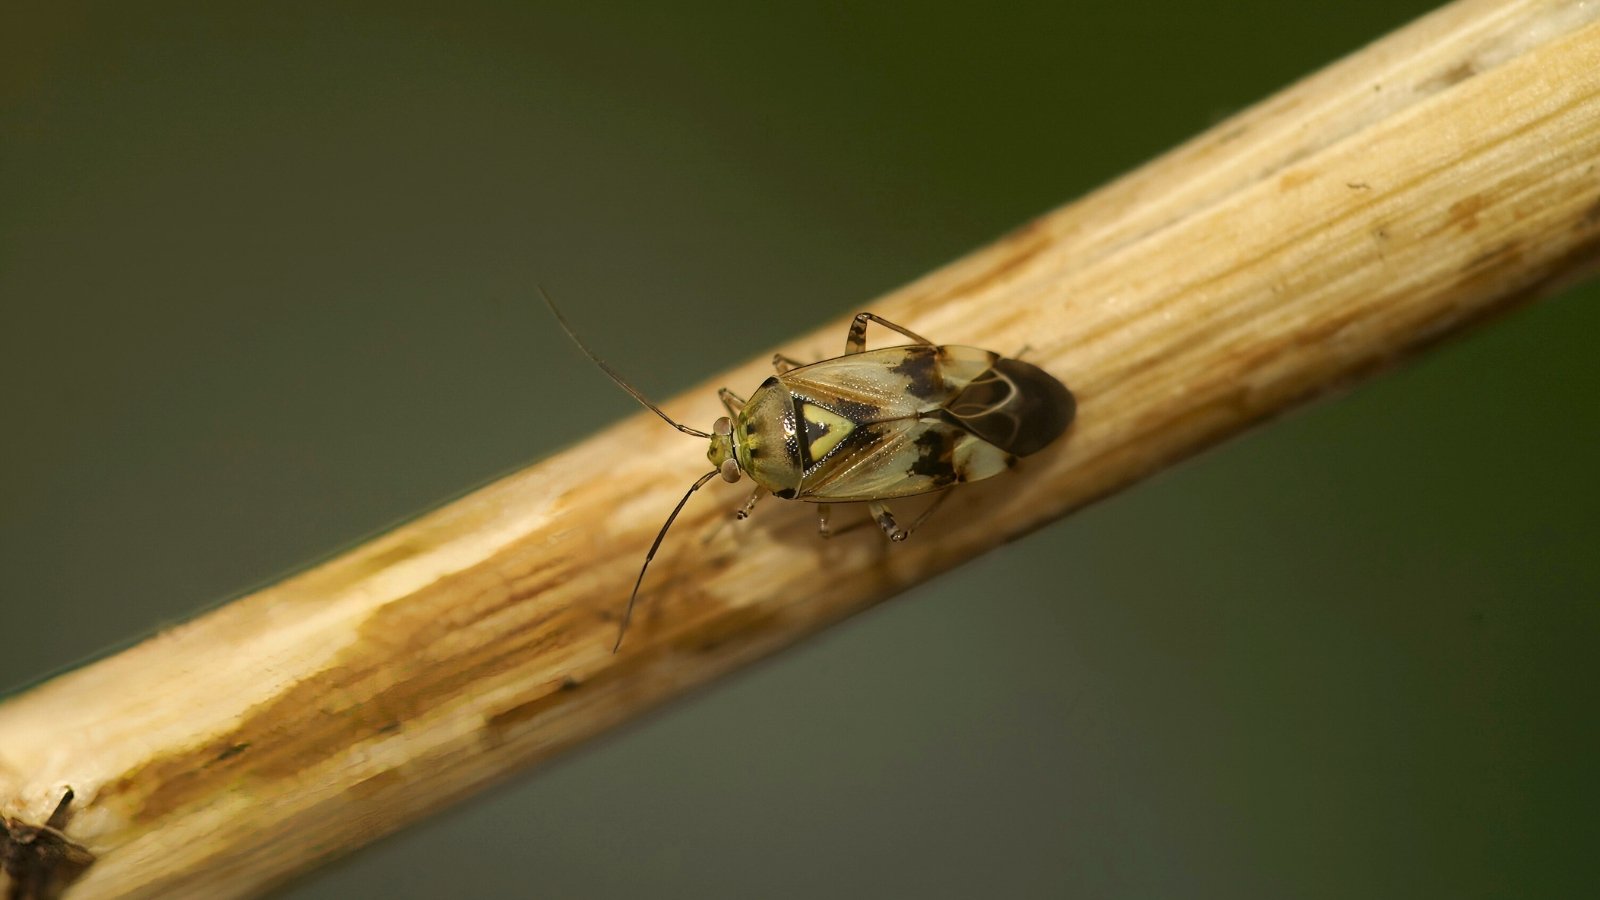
pixel 739 515
pixel 730 401
pixel 856 341
pixel 744 511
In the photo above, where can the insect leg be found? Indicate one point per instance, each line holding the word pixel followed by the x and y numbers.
pixel 730 401
pixel 885 520
pixel 742 514
pixel 943 496
pixel 857 339
pixel 785 363
pixel 744 511
pixel 824 522
pixel 825 528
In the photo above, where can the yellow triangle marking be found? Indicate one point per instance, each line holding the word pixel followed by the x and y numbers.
pixel 824 429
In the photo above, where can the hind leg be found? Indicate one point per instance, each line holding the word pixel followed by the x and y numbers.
pixel 892 529
pixel 856 340
pixel 885 520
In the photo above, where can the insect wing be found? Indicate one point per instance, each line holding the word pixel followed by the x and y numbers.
pixel 891 383
pixel 902 458
pixel 871 426
pixel 1015 406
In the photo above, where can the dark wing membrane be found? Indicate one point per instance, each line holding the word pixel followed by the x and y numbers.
pixel 1015 406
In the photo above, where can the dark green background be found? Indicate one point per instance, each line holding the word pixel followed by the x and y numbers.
pixel 266 290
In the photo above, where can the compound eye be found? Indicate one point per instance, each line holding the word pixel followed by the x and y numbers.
pixel 729 470
pixel 722 426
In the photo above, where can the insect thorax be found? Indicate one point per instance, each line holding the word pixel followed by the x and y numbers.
pixel 765 441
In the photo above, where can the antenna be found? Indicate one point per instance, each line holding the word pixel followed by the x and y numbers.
pixel 628 615
pixel 621 382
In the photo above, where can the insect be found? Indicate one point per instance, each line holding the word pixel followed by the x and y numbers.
pixel 870 426
pixel 40 860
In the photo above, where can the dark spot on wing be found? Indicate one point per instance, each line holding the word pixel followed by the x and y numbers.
pixel 921 369
pixel 856 411
pixel 936 456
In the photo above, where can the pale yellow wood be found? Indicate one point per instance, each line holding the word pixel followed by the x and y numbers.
pixel 1441 175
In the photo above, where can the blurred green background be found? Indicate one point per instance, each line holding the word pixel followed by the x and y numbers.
pixel 265 277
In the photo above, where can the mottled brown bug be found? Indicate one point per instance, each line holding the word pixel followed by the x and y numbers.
pixel 871 426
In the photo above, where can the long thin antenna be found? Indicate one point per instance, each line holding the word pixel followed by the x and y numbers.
pixel 628 615
pixel 606 368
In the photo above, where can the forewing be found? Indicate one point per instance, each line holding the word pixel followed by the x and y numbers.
pixel 875 426
pixel 901 458
pixel 892 383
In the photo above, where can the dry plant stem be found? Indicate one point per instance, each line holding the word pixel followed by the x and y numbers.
pixel 1443 174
